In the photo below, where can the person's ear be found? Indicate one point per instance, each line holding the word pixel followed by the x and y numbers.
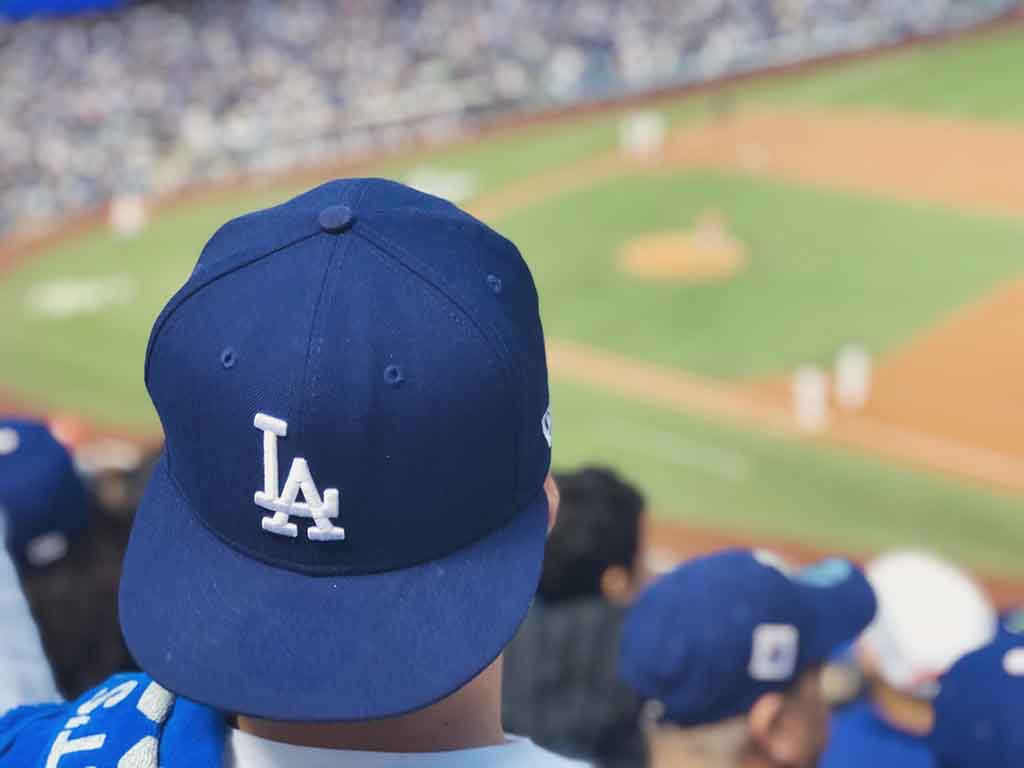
pixel 762 717
pixel 776 736
pixel 767 730
pixel 617 584
pixel 554 498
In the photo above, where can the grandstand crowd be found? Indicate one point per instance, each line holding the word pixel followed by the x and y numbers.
pixel 161 95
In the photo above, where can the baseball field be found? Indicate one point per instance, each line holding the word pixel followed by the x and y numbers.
pixel 876 202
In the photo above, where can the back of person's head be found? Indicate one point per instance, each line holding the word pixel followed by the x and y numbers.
pixel 68 552
pixel 930 613
pixel 979 710
pixel 74 602
pixel 566 651
pixel 729 647
pixel 348 519
pixel 595 547
pixel 41 495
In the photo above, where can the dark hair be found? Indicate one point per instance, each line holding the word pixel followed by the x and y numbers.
pixel 598 527
pixel 74 602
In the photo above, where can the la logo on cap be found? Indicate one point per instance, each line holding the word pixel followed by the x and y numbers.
pixel 286 503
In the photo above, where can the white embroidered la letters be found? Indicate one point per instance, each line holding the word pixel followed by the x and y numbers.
pixel 299 479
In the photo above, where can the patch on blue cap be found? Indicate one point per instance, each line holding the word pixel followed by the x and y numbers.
pixel 775 650
pixel 40 493
pixel 9 441
pixel 1013 662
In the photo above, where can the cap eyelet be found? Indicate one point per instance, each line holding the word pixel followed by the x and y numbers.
pixel 228 357
pixel 393 375
pixel 494 283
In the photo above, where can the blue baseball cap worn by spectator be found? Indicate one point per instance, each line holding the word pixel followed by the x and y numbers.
pixel 714 635
pixel 42 498
pixel 348 519
pixel 979 712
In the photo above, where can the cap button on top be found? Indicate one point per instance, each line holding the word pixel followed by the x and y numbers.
pixel 335 219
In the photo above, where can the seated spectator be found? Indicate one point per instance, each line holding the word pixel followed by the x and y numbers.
pixel 979 711
pixel 562 687
pixel 930 614
pixel 42 509
pixel 730 648
pixel 68 544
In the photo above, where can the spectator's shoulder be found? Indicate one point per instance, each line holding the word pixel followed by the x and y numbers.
pixel 126 715
pixel 528 753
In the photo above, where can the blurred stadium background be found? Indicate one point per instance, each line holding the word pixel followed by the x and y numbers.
pixel 778 242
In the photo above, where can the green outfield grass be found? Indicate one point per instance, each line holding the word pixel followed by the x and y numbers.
pixel 754 484
pixel 827 268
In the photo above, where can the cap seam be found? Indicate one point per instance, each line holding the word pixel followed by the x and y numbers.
pixel 300 409
pixel 187 292
pixel 341 246
pixel 423 271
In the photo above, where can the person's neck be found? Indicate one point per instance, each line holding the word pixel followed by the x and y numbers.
pixel 468 718
pixel 754 759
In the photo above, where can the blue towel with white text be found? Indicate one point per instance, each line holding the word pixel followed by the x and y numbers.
pixel 128 722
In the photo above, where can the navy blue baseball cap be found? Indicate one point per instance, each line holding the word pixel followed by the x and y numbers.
pixel 348 518
pixel 43 502
pixel 712 636
pixel 979 712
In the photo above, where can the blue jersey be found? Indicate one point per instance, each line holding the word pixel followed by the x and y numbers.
pixel 861 738
pixel 129 721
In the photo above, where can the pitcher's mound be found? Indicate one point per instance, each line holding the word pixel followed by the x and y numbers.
pixel 708 252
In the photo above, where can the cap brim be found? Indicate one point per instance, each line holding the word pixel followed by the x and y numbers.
pixel 842 607
pixel 218 627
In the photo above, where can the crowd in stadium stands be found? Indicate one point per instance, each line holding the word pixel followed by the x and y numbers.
pixel 163 94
